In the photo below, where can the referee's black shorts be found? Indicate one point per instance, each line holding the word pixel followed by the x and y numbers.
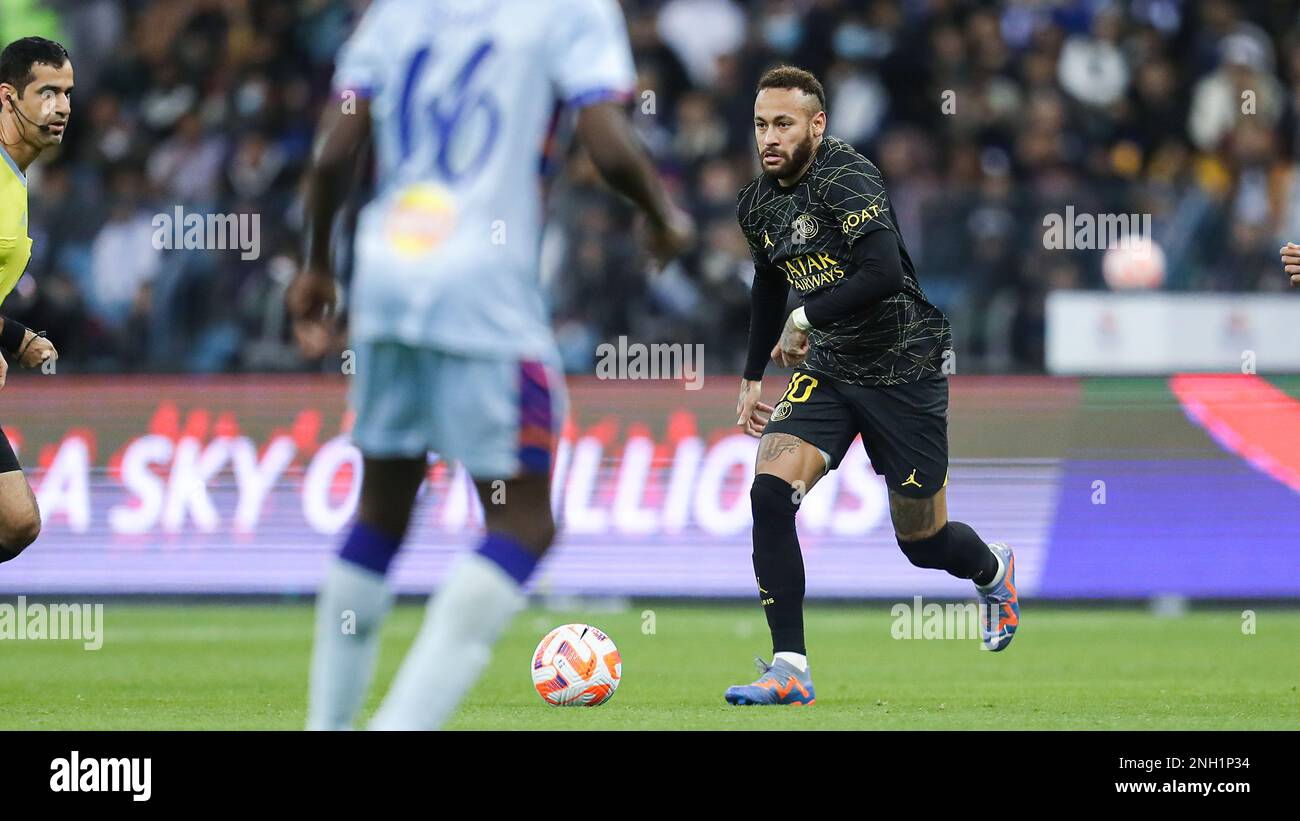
pixel 904 428
pixel 8 460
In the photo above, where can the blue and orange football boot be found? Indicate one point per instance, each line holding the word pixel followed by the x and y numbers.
pixel 1000 601
pixel 780 683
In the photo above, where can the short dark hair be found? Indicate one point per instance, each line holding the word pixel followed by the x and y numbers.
pixel 792 77
pixel 18 58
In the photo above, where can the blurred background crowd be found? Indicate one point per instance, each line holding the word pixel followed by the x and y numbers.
pixel 983 116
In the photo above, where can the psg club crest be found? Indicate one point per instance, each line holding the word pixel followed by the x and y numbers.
pixel 781 411
pixel 805 226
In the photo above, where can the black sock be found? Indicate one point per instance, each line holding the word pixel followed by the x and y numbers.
pixel 6 554
pixel 778 562
pixel 957 549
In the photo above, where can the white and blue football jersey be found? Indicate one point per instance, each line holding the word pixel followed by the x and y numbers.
pixel 463 95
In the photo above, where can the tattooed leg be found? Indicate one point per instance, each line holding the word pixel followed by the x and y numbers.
pixel 928 539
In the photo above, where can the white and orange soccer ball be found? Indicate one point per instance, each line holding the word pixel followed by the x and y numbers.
pixel 576 665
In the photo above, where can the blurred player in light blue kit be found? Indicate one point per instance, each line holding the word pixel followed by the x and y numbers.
pixel 453 349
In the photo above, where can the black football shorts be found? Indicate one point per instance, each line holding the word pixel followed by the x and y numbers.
pixel 904 428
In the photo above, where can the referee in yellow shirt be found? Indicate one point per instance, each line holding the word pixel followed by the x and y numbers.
pixel 35 102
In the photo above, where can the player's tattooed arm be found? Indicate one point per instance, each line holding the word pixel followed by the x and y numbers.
pixel 793 346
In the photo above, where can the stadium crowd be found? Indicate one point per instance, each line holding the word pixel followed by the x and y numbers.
pixel 983 116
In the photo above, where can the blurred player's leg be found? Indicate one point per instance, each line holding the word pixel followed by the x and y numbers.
pixel 20 518
pixel 479 598
pixel 354 598
pixel 497 417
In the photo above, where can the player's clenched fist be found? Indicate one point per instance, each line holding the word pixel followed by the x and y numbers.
pixel 792 348
pixel 310 299
pixel 311 295
pixel 1291 262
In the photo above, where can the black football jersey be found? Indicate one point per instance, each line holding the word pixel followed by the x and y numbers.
pixel 805 233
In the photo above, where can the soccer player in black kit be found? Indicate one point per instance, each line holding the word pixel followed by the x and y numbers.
pixel 868 350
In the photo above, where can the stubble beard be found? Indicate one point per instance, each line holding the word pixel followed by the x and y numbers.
pixel 798 159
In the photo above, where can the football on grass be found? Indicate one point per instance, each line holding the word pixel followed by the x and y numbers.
pixel 576 665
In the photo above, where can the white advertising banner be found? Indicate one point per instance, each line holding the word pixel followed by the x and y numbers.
pixel 1097 333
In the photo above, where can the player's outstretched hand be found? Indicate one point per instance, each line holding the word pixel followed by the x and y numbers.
pixel 36 350
pixel 671 239
pixel 748 408
pixel 792 348
pixel 310 299
pixel 1291 262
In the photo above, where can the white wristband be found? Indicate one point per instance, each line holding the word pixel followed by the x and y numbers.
pixel 799 318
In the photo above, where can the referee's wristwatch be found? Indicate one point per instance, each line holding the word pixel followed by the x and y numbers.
pixel 799 318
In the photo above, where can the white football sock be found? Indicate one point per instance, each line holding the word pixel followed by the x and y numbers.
pixel 350 611
pixel 997 577
pixel 461 624
pixel 796 660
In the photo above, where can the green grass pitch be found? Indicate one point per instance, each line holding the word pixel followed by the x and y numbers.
pixel 238 666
